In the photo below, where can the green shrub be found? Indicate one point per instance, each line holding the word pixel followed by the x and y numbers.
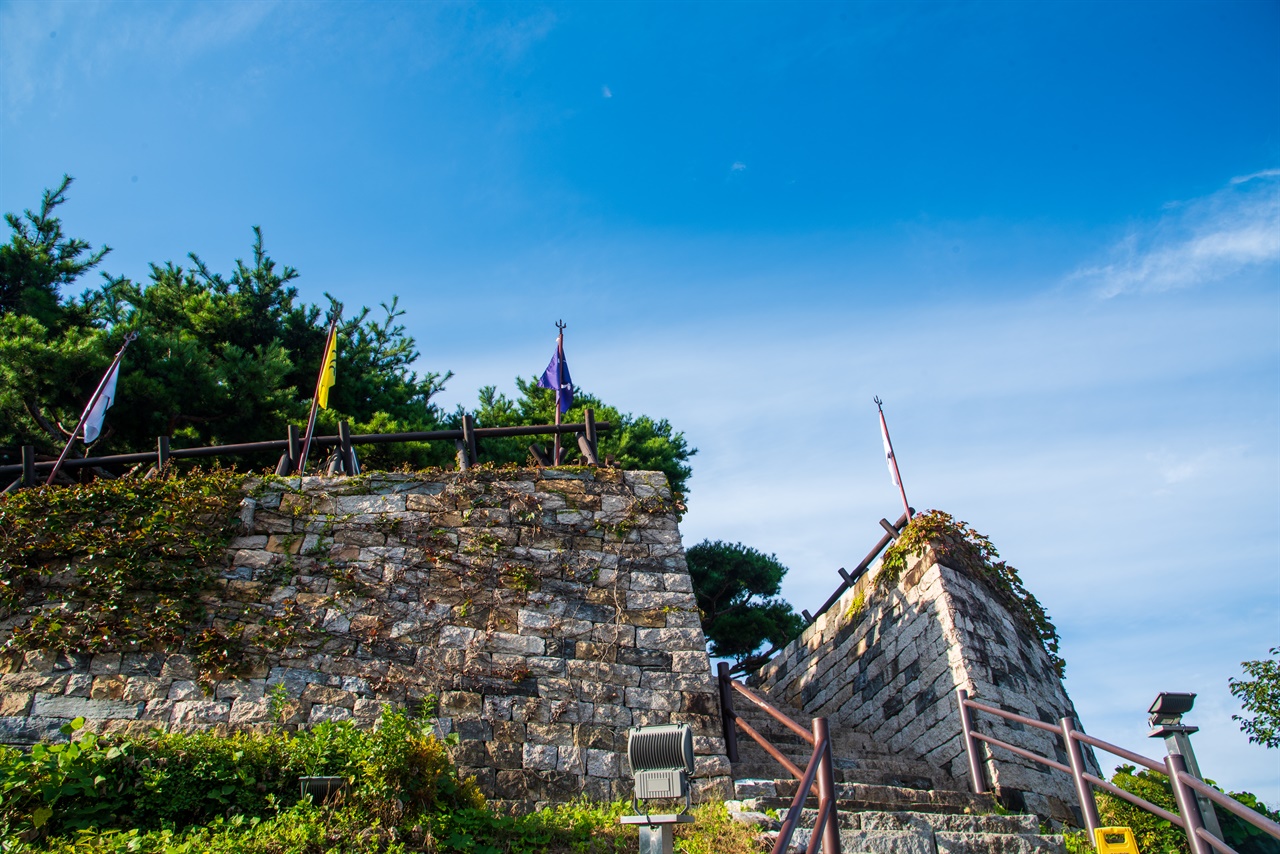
pixel 179 780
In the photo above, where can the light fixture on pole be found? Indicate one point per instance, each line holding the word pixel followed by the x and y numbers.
pixel 1165 719
pixel 661 760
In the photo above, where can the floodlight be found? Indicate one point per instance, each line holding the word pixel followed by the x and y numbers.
pixel 1169 707
pixel 661 760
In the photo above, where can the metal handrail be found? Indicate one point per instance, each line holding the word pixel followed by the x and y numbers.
pixel 774 713
pixel 818 773
pixel 1184 785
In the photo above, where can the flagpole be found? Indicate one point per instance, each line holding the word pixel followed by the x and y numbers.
pixel 893 458
pixel 128 339
pixel 315 398
pixel 559 386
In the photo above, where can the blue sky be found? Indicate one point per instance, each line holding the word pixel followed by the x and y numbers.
pixel 1048 235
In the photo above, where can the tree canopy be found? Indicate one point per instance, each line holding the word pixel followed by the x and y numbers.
pixel 737 591
pixel 232 357
pixel 1261 697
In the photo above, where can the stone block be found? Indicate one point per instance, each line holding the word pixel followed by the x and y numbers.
pixel 48 706
pixel 540 757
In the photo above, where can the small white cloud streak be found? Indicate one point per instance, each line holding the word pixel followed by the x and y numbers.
pixel 606 92
pixel 1196 243
pixel 738 166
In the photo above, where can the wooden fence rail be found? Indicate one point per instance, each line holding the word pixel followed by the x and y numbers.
pixel 344 441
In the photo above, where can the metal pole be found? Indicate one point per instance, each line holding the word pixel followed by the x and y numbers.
pixel 315 398
pixel 893 459
pixel 1179 741
pixel 1084 792
pixel 28 466
pixel 727 715
pixel 826 789
pixel 1188 808
pixel 557 455
pixel 293 438
pixel 162 451
pixel 971 744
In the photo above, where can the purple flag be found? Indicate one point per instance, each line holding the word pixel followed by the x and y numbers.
pixel 556 377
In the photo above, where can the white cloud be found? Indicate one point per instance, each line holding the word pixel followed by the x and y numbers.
pixel 606 91
pixel 738 166
pixel 1198 242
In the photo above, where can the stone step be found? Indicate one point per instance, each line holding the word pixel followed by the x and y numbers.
pixel 875 776
pixel 932 833
pixel 855 797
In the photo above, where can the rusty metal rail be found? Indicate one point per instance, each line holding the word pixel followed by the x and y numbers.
pixel 1184 784
pixel 818 778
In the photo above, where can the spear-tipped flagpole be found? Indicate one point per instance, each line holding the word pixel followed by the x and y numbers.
pixel 890 458
pixel 560 325
pixel 329 343
pixel 88 408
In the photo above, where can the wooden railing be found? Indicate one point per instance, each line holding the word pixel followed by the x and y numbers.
pixel 1185 785
pixel 817 778
pixel 464 440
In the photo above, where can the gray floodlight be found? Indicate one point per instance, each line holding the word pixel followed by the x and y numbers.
pixel 1169 707
pixel 661 760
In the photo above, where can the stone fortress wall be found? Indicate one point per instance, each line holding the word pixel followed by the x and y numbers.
pixel 888 664
pixel 548 610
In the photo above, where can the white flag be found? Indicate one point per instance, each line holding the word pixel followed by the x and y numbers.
pixel 888 452
pixel 92 419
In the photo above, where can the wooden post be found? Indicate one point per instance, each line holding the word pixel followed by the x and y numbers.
pixel 728 719
pixel 588 453
pixel 464 461
pixel 469 436
pixel 162 451
pixel 344 448
pixel 28 466
pixel 294 438
pixel 589 422
pixel 540 454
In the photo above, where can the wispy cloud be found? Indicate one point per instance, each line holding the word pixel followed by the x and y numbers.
pixel 738 166
pixel 1198 242
pixel 606 92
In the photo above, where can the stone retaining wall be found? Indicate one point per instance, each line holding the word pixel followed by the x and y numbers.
pixel 888 663
pixel 548 610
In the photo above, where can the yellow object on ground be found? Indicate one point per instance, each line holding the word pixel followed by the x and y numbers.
pixel 1115 840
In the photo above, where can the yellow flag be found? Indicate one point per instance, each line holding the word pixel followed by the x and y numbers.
pixel 328 371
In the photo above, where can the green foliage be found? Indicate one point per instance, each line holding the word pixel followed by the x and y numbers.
pixel 1157 836
pixel 959 546
pixel 1261 696
pixel 180 780
pixel 219 358
pixel 184 794
pixel 38 259
pixel 130 556
pixel 737 592
pixel 636 442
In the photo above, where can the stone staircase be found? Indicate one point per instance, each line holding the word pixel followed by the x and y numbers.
pixel 887 802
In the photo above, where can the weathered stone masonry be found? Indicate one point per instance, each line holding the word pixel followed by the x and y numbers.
pixel 549 611
pixel 888 663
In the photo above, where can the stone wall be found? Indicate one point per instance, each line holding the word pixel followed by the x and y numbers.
pixel 888 664
pixel 548 610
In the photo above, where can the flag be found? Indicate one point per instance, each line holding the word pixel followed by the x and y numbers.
pixel 888 452
pixel 556 377
pixel 328 370
pixel 94 415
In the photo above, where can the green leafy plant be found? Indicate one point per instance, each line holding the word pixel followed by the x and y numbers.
pixel 1260 696
pixel 130 556
pixel 958 545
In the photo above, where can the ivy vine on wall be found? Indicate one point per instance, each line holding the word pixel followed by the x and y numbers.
pixel 128 558
pixel 959 546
